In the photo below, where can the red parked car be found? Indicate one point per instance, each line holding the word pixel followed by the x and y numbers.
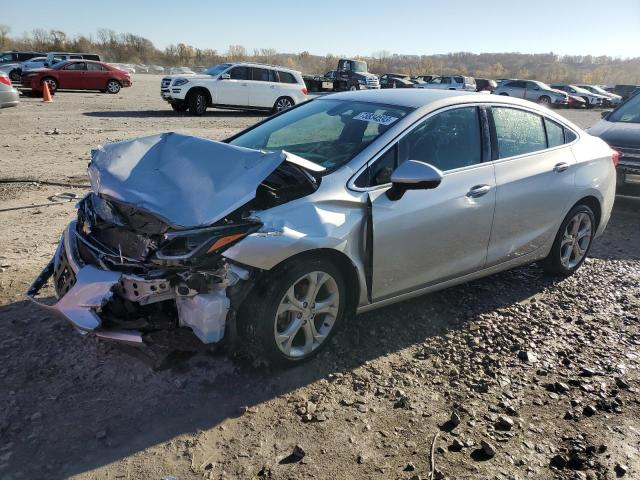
pixel 77 75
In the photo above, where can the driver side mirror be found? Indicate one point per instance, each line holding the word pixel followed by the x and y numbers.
pixel 225 76
pixel 413 175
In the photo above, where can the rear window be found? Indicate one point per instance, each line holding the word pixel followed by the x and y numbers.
pixel 286 77
pixel 518 132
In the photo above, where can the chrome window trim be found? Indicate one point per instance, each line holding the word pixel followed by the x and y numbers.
pixel 351 182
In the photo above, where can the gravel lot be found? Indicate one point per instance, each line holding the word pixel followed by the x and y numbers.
pixel 515 376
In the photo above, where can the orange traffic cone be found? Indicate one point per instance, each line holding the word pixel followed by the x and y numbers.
pixel 46 95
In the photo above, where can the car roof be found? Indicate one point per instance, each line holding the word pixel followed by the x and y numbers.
pixel 423 97
pixel 265 65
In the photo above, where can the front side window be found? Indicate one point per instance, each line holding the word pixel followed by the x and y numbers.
pixel 518 132
pixel 445 80
pixel 240 73
pixel 96 67
pixel 448 140
pixel 7 57
pixel 327 132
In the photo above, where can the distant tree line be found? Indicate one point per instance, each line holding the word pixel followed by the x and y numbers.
pixel 130 48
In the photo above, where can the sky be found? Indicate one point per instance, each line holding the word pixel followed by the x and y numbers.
pixel 595 27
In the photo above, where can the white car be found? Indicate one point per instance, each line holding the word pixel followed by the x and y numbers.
pixel 611 99
pixel 37 62
pixel 451 82
pixel 124 67
pixel 592 99
pixel 244 85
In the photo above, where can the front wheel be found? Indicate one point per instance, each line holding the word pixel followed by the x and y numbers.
pixel 572 242
pixel 179 106
pixel 113 86
pixel 294 311
pixel 14 75
pixel 282 104
pixel 197 103
pixel 51 83
pixel 544 100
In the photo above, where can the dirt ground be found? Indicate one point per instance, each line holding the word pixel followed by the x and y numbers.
pixel 544 370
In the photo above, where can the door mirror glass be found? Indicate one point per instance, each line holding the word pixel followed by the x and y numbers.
pixel 225 76
pixel 413 175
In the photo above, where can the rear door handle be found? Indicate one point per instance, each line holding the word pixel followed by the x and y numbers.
pixel 560 167
pixel 478 191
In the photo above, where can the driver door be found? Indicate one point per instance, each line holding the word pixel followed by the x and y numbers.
pixel 430 236
pixel 234 90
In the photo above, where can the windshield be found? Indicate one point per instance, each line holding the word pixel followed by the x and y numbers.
pixel 597 89
pixel 218 69
pixel 327 132
pixel 359 66
pixel 628 112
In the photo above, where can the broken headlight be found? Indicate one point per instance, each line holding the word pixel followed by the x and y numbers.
pixel 182 245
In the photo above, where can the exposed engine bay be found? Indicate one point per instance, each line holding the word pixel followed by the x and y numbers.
pixel 145 251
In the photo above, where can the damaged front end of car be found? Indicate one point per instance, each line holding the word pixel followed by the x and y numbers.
pixel 145 251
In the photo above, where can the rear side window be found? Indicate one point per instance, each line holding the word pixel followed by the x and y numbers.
pixel 555 133
pixel 240 73
pixel 518 132
pixel 448 140
pixel 260 74
pixel 286 77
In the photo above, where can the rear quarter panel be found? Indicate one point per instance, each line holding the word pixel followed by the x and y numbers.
pixel 595 174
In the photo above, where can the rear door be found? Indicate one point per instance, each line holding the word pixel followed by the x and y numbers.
pixel 535 173
pixel 430 236
pixel 234 90
pixel 262 89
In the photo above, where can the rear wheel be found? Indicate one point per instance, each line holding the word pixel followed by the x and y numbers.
pixel 282 104
pixel 51 83
pixel 572 242
pixel 197 103
pixel 291 315
pixel 113 86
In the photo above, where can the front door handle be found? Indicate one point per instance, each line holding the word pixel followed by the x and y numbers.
pixel 478 191
pixel 560 167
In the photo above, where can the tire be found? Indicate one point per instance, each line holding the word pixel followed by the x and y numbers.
pixel 179 106
pixel 15 74
pixel 355 88
pixel 544 100
pixel 292 335
pixel 52 83
pixel 281 104
pixel 197 103
pixel 570 247
pixel 113 87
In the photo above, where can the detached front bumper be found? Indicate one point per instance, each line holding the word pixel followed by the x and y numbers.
pixel 84 290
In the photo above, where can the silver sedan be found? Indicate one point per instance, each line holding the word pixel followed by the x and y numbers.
pixel 341 205
pixel 9 96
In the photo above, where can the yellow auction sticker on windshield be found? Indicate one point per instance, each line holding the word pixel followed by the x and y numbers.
pixel 375 118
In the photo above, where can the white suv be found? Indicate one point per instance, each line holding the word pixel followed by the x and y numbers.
pixel 243 85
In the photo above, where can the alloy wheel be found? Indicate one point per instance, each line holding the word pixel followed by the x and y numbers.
pixel 283 104
pixel 113 87
pixel 51 84
pixel 576 240
pixel 201 103
pixel 306 314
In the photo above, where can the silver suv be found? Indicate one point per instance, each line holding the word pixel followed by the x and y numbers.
pixel 533 90
pixel 455 82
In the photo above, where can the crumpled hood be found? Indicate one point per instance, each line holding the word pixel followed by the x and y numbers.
pixel 187 181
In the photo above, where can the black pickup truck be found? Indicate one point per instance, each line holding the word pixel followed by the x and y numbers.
pixel 350 75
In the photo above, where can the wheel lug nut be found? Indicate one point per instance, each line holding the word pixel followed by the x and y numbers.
pixel 299 315
pixel 305 304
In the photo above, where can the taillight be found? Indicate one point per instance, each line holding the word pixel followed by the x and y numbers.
pixel 6 80
pixel 304 91
pixel 615 158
